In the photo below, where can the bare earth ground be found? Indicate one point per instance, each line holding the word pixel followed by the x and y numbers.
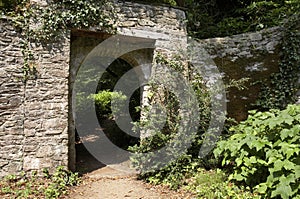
pixel 107 182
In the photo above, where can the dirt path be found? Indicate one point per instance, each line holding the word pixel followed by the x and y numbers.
pixel 108 183
pixel 114 181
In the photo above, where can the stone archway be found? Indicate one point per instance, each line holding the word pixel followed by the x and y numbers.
pixel 82 43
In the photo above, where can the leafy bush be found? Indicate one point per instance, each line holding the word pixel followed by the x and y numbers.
pixel 223 18
pixel 60 181
pixel 284 84
pixel 163 130
pixel 103 101
pixel 264 152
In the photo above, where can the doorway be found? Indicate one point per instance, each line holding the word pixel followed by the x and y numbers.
pixel 82 43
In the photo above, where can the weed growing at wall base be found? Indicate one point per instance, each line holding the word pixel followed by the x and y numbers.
pixel 50 186
pixel 214 184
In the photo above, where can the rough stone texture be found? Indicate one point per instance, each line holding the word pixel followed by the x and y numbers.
pixel 251 55
pixel 36 124
pixel 164 24
pixel 33 116
pixel 11 100
pixel 46 107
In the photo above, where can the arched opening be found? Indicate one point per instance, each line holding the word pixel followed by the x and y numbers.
pixel 105 91
pixel 82 43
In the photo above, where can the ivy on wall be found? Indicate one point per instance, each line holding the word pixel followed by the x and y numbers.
pixel 284 84
pixel 49 23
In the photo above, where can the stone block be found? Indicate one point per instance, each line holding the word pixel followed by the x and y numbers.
pixel 128 24
pixel 255 36
pixel 31 163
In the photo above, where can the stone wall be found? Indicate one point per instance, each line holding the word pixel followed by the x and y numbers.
pixel 11 100
pixel 164 24
pixel 46 108
pixel 250 55
pixel 36 124
pixel 33 116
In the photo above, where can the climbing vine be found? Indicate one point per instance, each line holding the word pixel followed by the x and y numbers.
pixel 284 84
pixel 41 24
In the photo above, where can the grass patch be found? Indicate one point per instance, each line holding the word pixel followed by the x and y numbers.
pixel 213 184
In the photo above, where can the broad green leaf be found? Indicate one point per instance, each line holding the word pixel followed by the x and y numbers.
pixel 287 119
pixel 238 161
pixel 291 178
pixel 270 178
pixel 289 149
pixel 263 162
pixel 285 133
pixel 278 165
pixel 238 136
pixel 290 152
pixel 252 112
pixel 252 160
pixel 262 188
pixel 294 140
pixel 252 170
pixel 297 171
pixel 296 129
pixel 273 155
pixel 272 160
pixel 239 177
pixel 247 161
pixel 283 190
pixel 297 117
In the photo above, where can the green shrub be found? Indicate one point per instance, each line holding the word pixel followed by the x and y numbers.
pixel 283 84
pixel 59 182
pixel 103 101
pixel 264 152
pixel 163 130
pixel 208 19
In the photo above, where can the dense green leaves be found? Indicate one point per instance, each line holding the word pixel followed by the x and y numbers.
pixel 222 18
pixel 267 145
pixel 165 130
pixel 62 15
pixel 51 21
pixel 284 84
pixel 103 101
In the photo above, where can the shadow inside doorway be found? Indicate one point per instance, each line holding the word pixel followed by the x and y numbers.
pixel 86 162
